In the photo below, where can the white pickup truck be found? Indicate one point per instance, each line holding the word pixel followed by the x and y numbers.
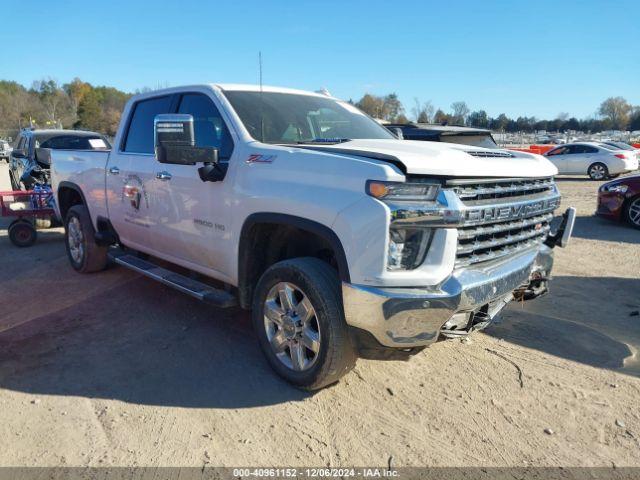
pixel 344 240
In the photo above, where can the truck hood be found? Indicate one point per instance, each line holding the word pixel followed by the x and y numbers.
pixel 445 159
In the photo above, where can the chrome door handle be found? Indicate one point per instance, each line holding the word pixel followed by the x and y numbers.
pixel 164 175
pixel 114 170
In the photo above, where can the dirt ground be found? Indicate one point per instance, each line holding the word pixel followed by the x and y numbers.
pixel 114 369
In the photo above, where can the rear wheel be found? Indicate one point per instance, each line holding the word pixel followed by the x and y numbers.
pixel 298 318
pixel 632 212
pixel 22 233
pixel 84 254
pixel 598 171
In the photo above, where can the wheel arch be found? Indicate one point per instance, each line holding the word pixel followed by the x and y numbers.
pixel 309 237
pixel 69 194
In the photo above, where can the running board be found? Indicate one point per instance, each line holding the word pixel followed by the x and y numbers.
pixel 196 289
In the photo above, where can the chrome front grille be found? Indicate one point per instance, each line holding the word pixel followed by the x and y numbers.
pixel 474 192
pixel 494 232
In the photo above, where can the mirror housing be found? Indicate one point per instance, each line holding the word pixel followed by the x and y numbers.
pixel 19 153
pixel 175 141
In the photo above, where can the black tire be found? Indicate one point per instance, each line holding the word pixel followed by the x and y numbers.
pixel 630 212
pixel 598 171
pixel 22 233
pixel 91 257
pixel 321 285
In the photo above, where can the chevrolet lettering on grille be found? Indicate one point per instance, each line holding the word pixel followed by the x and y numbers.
pixel 508 212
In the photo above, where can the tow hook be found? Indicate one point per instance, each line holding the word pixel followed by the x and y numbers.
pixel 560 238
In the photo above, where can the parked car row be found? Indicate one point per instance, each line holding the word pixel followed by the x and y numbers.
pixel 5 150
pixel 597 160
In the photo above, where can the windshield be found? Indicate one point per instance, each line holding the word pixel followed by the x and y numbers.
pixel 274 117
pixel 485 141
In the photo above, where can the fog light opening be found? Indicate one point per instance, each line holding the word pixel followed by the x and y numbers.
pixel 407 248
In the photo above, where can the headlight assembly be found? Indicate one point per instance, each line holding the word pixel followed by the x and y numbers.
pixel 400 191
pixel 616 188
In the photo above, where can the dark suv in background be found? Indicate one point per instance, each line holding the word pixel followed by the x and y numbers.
pixel 477 137
pixel 30 160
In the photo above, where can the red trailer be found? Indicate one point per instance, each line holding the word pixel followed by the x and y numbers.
pixel 29 209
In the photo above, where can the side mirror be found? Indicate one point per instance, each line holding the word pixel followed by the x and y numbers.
pixel 19 153
pixel 175 141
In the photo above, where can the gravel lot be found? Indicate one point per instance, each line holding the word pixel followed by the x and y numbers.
pixel 114 369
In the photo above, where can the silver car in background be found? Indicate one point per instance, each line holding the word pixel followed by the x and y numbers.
pixel 597 160
pixel 5 150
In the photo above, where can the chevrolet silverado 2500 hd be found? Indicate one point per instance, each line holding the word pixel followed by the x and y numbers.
pixel 343 240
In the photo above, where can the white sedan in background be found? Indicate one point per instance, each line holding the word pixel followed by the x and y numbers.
pixel 597 160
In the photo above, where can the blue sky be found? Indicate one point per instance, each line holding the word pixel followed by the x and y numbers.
pixel 517 57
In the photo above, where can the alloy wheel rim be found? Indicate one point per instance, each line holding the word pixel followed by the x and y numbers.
pixel 292 327
pixel 75 239
pixel 597 172
pixel 634 212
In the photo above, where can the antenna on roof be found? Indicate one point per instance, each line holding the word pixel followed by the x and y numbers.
pixel 261 98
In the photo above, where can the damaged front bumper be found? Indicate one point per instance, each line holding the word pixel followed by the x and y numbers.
pixel 468 300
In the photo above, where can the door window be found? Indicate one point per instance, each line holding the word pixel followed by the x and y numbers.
pixel 208 126
pixel 558 151
pixel 140 134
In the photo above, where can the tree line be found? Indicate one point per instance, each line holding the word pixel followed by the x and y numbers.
pixel 48 104
pixel 614 113
pixel 78 104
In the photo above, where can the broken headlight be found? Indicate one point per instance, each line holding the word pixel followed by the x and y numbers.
pixel 407 248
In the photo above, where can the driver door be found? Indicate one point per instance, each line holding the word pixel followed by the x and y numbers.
pixel 192 224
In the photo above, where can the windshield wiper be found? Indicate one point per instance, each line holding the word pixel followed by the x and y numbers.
pixel 323 141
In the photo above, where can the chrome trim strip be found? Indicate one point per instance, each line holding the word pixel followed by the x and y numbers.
pixel 450 211
pixel 496 255
pixel 466 233
pixel 508 240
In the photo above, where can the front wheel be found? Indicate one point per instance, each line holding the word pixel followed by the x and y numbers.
pixel 84 254
pixel 598 171
pixel 632 212
pixel 299 321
